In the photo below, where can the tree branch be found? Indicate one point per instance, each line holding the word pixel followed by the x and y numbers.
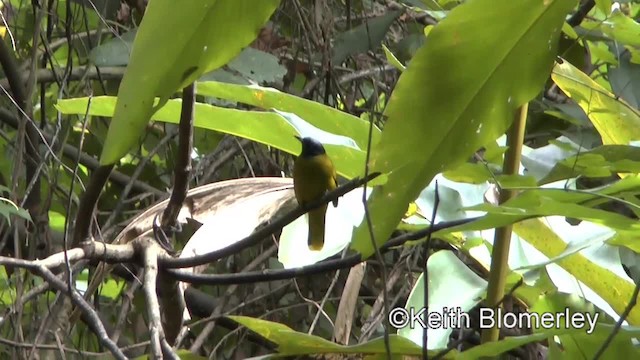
pixel 183 165
pixel 265 231
pixel 318 268
pixel 582 12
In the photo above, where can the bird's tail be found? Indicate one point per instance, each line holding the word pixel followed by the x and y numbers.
pixel 316 228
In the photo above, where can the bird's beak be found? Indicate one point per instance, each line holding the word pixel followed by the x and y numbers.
pixel 298 137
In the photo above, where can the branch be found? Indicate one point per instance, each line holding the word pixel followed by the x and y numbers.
pixel 92 73
pixel 365 73
pixel 159 346
pixel 88 250
pixel 183 165
pixel 265 231
pixel 88 203
pixel 14 79
pixel 582 12
pixel 318 268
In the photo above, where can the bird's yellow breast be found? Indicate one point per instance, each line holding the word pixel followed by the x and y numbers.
pixel 313 176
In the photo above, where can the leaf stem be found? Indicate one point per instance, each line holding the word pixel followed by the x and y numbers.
pixel 502 238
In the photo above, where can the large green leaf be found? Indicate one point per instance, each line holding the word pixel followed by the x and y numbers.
pixel 458 93
pixel 268 128
pixel 614 289
pixel 319 115
pixel 291 342
pixel 615 120
pixel 195 37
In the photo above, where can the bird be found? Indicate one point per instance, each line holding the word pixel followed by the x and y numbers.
pixel 313 176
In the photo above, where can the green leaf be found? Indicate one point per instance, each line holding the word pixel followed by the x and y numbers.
pixel 392 59
pixel 614 289
pixel 291 342
pixel 258 66
pixel 363 37
pixel 618 27
pixel 111 288
pixel 114 52
pixel 443 109
pixel 614 119
pixel 7 288
pixel 196 37
pixel 604 6
pixel 8 208
pixel 319 115
pixel 268 128
pixel 625 80
pixel 548 202
pixel 602 161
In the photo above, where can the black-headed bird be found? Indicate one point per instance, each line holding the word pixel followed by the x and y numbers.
pixel 313 176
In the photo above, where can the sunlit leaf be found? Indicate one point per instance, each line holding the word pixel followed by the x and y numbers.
pixel 318 115
pixel 615 120
pixel 291 342
pixel 211 33
pixel 268 128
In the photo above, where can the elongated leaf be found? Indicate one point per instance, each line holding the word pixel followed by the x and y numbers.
pixel 268 128
pixel 615 290
pixel 615 120
pixel 319 115
pixel 196 37
pixel 458 93
pixel 291 342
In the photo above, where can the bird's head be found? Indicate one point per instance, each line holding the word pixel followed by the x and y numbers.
pixel 310 147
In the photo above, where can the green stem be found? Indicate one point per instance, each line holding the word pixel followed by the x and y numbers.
pixel 502 238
